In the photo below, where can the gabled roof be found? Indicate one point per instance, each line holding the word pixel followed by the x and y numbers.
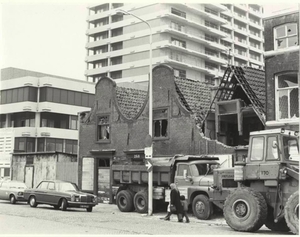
pixel 130 101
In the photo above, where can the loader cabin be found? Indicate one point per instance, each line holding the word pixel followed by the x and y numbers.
pixel 274 145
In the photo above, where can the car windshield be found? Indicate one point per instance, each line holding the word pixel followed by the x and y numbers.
pixel 203 169
pixel 67 187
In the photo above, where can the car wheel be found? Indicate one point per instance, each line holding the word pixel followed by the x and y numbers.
pixel 12 199
pixel 245 210
pixel 202 207
pixel 89 209
pixel 32 201
pixel 64 205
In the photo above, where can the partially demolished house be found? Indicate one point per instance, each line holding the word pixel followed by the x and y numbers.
pixel 238 106
pixel 117 125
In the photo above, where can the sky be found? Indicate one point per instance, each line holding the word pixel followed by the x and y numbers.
pixel 49 36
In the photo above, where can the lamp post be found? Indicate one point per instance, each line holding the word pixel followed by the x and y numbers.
pixel 150 173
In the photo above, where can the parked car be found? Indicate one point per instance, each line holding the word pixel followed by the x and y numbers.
pixel 60 194
pixel 12 190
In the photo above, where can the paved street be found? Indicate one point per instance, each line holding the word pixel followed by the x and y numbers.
pixel 105 219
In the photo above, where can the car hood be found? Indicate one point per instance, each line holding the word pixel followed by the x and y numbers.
pixel 80 193
pixel 204 180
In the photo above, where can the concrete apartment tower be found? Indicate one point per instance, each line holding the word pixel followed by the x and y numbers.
pixel 197 40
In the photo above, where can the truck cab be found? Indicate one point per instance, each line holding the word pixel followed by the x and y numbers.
pixel 193 176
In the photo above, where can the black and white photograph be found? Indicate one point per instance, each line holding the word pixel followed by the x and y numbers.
pixel 148 118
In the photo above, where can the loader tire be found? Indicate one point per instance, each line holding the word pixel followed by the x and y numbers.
pixel 245 210
pixel 291 212
pixel 125 201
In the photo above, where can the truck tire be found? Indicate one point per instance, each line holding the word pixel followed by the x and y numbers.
pixel 291 212
pixel 125 201
pixel 141 202
pixel 279 226
pixel 202 207
pixel 245 210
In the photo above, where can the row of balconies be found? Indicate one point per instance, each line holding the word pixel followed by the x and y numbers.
pixel 43 132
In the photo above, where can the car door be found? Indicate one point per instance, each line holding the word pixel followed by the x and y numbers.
pixel 3 190
pixel 51 194
pixel 41 192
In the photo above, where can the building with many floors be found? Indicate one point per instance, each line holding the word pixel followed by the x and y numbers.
pixel 39 113
pixel 197 40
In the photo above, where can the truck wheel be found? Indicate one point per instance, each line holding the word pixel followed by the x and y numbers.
pixel 245 210
pixel 279 226
pixel 291 212
pixel 125 201
pixel 202 207
pixel 141 202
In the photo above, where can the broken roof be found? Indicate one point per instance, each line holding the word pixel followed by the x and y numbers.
pixel 244 83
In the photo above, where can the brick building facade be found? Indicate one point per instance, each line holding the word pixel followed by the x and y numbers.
pixel 117 125
pixel 282 70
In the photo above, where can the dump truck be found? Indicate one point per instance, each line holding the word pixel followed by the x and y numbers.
pixel 264 187
pixel 192 174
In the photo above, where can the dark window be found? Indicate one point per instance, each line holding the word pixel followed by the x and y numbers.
pixel 71 146
pixel 116 74
pixel 103 132
pixel 179 73
pixel 116 60
pixel 23 119
pixel 49 94
pixel 71 97
pixel 3 97
pixel 6 172
pixel 78 98
pixel 178 13
pixel 59 145
pixel 43 94
pixel 29 160
pixel 116 46
pixel 178 42
pixel 73 122
pixel 24 144
pixel 32 94
pixel 117 32
pixel 2 120
pixel 103 162
pixel 41 144
pixel 15 95
pixel 56 95
pixel 9 96
pixel 63 96
pixel 160 120
pixel 20 94
pixel 50 144
pixel 85 100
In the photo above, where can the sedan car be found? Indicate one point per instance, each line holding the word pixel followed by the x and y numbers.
pixel 60 194
pixel 12 190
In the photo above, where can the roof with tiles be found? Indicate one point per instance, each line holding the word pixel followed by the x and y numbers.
pixel 256 80
pixel 194 95
pixel 130 101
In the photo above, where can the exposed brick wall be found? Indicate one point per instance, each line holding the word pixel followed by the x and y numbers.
pixel 125 134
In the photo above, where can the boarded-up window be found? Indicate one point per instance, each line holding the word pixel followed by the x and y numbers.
pixel 88 174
